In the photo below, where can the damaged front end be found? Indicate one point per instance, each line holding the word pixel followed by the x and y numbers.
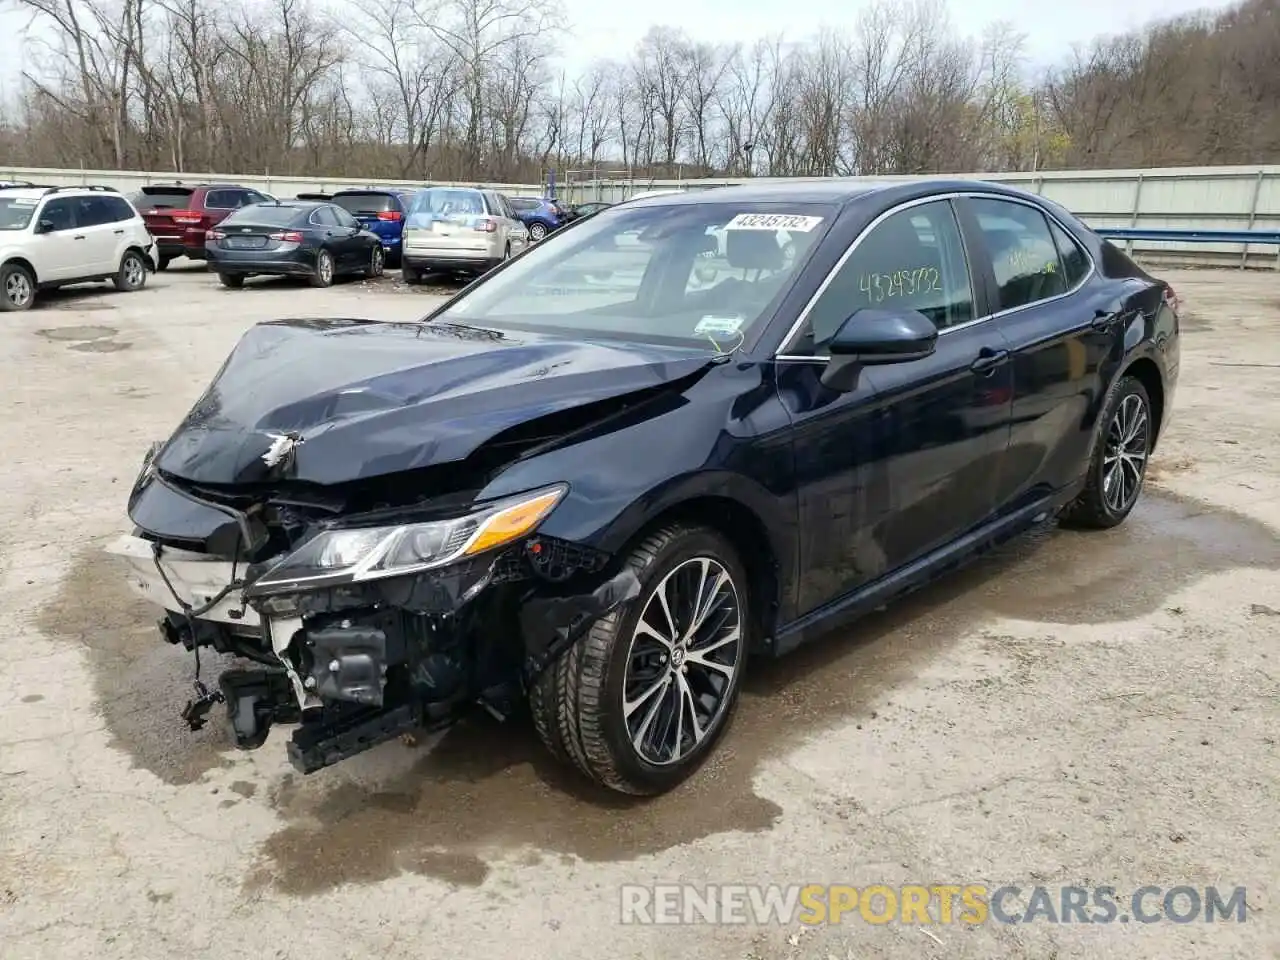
pixel 360 626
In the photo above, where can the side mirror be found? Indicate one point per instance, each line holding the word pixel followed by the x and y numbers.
pixel 875 337
pixel 44 226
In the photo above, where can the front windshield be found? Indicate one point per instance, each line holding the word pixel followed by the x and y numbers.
pixel 701 274
pixel 15 212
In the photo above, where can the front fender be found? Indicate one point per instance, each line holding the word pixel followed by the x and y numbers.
pixel 724 440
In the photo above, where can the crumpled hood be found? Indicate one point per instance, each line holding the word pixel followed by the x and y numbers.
pixel 359 398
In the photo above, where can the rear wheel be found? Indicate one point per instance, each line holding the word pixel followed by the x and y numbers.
pixel 537 231
pixel 411 274
pixel 322 276
pixel 640 701
pixel 377 262
pixel 1119 464
pixel 233 280
pixel 163 263
pixel 17 287
pixel 132 274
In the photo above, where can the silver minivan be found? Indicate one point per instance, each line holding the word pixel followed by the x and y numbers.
pixel 459 229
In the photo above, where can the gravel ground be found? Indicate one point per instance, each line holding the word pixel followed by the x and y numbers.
pixel 1080 709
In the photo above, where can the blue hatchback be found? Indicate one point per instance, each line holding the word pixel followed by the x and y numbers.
pixel 381 211
pixel 539 214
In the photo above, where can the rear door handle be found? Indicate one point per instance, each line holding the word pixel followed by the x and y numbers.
pixel 988 359
pixel 118 233
pixel 78 236
pixel 1103 321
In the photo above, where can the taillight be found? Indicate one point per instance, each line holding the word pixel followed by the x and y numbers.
pixel 1171 298
pixel 487 226
pixel 214 234
pixel 392 215
pixel 186 216
pixel 288 236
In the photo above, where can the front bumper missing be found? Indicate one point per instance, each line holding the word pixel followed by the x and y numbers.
pixel 356 667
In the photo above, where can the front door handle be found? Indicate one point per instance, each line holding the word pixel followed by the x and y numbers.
pixel 118 233
pixel 78 236
pixel 988 360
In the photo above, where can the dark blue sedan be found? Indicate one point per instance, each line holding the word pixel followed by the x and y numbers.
pixel 688 432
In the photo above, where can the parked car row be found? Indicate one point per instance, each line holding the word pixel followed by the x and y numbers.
pixel 55 235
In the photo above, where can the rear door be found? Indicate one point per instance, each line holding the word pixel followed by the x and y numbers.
pixel 1060 340
pixel 347 237
pixel 158 204
pixel 96 219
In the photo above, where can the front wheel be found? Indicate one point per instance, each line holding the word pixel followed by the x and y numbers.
pixel 132 274
pixel 322 276
pixel 640 701
pixel 537 231
pixel 377 263
pixel 1119 464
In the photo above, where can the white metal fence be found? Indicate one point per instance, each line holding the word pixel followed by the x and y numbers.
pixel 1222 198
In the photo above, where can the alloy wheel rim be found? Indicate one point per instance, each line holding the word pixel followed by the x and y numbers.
pixel 133 272
pixel 326 269
pixel 1124 461
pixel 17 289
pixel 682 661
pixel 537 231
pixel 377 261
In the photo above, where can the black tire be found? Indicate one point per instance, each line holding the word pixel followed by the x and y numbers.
pixel 377 263
pixel 163 263
pixel 577 704
pixel 233 280
pixel 132 274
pixel 17 287
pixel 411 274
pixel 537 232
pixel 394 259
pixel 322 275
pixel 1100 505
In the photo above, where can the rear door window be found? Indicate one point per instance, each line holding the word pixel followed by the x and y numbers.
pixel 1023 253
pixel 343 218
pixel 324 217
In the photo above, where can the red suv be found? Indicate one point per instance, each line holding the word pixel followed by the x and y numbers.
pixel 177 215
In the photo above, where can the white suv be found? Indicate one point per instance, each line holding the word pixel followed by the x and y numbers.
pixel 50 236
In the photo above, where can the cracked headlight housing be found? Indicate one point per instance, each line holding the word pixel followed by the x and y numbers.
pixel 355 554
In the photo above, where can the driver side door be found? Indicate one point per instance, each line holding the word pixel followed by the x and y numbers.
pixel 59 254
pixel 907 460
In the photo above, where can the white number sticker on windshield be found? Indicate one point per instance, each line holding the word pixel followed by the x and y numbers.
pixel 773 221
pixel 711 325
pixel 25 201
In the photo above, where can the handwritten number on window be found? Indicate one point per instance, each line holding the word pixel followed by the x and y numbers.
pixel 902 283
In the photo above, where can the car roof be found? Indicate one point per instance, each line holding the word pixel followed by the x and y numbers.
pixel 827 190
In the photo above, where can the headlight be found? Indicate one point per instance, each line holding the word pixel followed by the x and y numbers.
pixel 339 556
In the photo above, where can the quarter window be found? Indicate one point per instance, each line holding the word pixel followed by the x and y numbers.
pixel 1023 254
pixel 1075 262
pixel 222 199
pixel 912 260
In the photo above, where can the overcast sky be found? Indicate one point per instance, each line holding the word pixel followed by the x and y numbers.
pixel 600 28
